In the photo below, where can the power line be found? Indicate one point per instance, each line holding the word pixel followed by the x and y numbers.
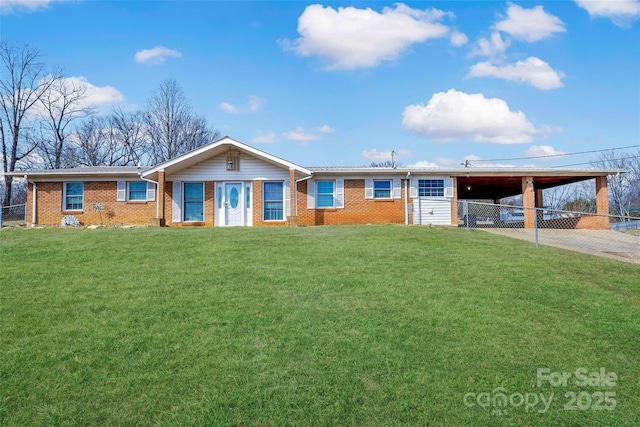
pixel 557 155
pixel 596 162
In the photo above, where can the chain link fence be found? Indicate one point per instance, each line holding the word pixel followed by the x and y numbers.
pixel 13 215
pixel 611 236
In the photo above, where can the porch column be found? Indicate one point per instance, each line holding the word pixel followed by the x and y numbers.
pixel 454 202
pixel 539 205
pixel 602 196
pixel 539 200
pixel 160 197
pixel 528 201
pixel 602 202
pixel 293 205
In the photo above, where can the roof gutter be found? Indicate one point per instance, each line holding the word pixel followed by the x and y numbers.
pixel 406 199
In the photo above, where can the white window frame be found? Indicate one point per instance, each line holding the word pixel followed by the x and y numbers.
pixel 64 197
pixel 146 186
pixel 444 184
pixel 183 201
pixel 333 194
pixel 390 181
pixel 264 200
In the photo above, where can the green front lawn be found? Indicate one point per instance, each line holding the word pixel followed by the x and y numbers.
pixel 369 325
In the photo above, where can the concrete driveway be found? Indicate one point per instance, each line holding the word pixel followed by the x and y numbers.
pixel 604 243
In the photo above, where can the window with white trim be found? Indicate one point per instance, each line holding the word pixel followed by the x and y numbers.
pixel 273 201
pixel 73 196
pixel 325 194
pixel 193 201
pixel 137 191
pixel 382 189
pixel 431 187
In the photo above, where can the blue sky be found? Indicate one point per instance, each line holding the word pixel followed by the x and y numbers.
pixel 345 83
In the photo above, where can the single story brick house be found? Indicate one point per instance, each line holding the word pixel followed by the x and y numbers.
pixel 228 183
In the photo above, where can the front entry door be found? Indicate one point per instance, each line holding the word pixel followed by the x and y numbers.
pixel 233 204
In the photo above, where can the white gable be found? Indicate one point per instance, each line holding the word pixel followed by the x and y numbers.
pixel 215 169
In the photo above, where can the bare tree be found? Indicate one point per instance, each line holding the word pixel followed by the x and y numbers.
pixel 94 144
pixel 129 127
pixel 577 196
pixel 115 140
pixel 62 104
pixel 171 125
pixel 23 81
pixel 386 164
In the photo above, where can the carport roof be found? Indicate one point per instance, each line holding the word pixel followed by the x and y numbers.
pixel 436 171
pixel 478 183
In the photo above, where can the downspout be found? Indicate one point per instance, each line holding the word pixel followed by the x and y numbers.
pixel 34 202
pixel 406 199
pixel 296 182
pixel 157 195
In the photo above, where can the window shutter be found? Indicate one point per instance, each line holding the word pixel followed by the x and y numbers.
pixel 414 188
pixel 311 194
pixel 339 193
pixel 448 187
pixel 287 199
pixel 122 191
pixel 368 188
pixel 397 189
pixel 176 212
pixel 151 191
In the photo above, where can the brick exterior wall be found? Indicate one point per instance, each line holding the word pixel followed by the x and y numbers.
pixel 49 205
pixel 357 209
pixel 256 208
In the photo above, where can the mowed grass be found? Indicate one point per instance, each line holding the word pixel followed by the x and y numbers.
pixel 369 325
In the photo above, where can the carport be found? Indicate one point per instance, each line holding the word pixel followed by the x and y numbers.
pixel 495 184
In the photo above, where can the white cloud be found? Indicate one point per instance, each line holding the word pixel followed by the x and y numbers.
pixel 349 38
pixel 530 25
pixel 94 97
pixel 229 108
pixel 493 48
pixel 458 39
pixel 256 102
pixel 99 95
pixel 382 156
pixel 543 150
pixel 377 156
pixel 17 6
pixel 423 164
pixel 299 135
pixel 532 71
pixel 326 129
pixel 267 138
pixel 457 115
pixel 621 12
pixel 447 161
pixel 157 55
